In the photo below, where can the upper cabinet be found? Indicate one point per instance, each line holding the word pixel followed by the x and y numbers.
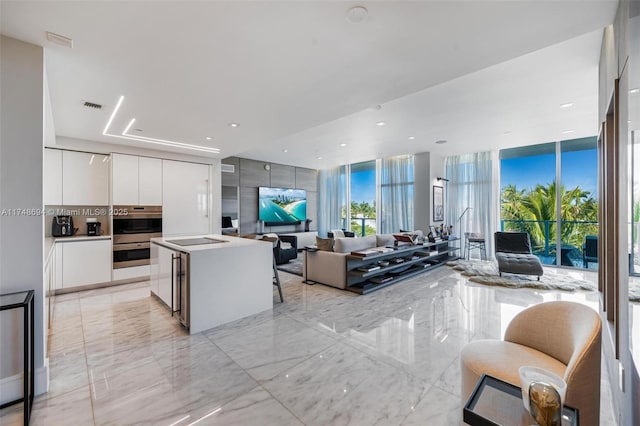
pixel 150 181
pixel 136 180
pixel 85 179
pixel 52 185
pixel 186 206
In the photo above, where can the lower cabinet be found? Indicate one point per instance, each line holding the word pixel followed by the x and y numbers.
pixel 85 262
pixel 162 275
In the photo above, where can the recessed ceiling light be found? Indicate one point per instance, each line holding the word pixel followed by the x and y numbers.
pixel 568 131
pixel 567 105
pixel 208 138
pixel 441 141
pixel 380 123
pixel 285 150
pixel 357 14
pixel 343 145
pixel 508 132
pixel 411 138
pixel 234 125
pixel 635 90
pixel 319 158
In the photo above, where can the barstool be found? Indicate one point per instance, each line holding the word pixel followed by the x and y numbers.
pixel 276 277
pixel 473 240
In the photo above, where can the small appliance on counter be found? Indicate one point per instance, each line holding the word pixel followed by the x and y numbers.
pixel 93 226
pixel 62 226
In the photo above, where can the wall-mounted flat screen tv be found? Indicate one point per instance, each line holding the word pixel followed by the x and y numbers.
pixel 282 206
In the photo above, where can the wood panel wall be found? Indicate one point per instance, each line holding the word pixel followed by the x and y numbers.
pixel 251 174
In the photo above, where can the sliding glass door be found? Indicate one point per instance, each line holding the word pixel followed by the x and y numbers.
pixel 550 191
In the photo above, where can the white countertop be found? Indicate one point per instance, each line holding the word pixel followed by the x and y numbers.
pixel 81 238
pixel 231 242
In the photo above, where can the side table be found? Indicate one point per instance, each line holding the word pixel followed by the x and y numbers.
pixel 494 402
pixel 308 249
pixel 24 300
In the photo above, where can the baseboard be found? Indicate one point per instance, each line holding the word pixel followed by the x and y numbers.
pixel 11 387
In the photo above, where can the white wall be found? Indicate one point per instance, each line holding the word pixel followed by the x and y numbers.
pixel 21 236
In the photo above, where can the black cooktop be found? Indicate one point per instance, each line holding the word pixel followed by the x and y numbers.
pixel 195 241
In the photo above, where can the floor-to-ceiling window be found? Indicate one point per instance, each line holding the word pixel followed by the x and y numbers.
pixel 528 184
pixel 549 191
pixel 579 203
pixel 395 212
pixel 362 193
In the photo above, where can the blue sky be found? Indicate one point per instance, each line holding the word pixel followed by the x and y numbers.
pixel 363 186
pixel 579 168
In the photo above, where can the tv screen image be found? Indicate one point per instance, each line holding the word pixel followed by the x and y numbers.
pixel 281 206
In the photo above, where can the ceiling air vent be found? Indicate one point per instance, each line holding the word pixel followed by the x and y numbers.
pixel 92 105
pixel 59 39
pixel 228 168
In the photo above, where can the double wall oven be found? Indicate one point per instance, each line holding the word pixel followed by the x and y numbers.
pixel 133 227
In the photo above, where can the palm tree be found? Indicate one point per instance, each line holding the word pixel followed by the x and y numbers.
pixel 536 213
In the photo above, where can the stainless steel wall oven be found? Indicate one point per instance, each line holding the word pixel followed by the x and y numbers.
pixel 133 227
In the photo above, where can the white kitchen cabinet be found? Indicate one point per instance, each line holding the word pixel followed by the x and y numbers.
pixel 154 268
pixel 58 267
pixel 150 181
pixel 85 179
pixel 124 180
pixel 136 180
pixel 185 198
pixel 52 177
pixel 162 274
pixel 85 262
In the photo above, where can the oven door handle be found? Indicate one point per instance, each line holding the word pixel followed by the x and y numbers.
pixel 131 246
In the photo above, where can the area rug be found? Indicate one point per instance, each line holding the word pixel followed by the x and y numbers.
pixel 294 266
pixel 487 273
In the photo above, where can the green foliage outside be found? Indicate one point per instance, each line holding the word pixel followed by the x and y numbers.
pixel 534 211
pixel 358 211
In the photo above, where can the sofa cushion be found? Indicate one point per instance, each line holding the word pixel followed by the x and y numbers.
pixel 384 240
pixel 324 244
pixel 347 245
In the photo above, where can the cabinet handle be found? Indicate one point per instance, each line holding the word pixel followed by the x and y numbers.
pixel 208 207
pixel 173 258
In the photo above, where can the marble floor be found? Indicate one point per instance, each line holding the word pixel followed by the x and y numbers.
pixel 323 357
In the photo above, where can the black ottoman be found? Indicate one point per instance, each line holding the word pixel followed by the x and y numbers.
pixel 519 263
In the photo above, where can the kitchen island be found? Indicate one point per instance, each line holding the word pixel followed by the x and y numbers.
pixel 207 281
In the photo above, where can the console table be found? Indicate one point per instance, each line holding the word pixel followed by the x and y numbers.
pixel 23 300
pixel 373 272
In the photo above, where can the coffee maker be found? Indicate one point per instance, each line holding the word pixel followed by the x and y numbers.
pixel 93 227
pixel 62 226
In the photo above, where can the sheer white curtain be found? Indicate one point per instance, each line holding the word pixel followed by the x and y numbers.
pixel 474 182
pixel 396 194
pixel 332 198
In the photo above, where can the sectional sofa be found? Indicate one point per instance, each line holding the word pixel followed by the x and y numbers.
pixel 330 267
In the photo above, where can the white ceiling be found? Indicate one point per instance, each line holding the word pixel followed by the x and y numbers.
pixel 298 76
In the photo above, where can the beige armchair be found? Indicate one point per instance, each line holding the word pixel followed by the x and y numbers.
pixel 562 337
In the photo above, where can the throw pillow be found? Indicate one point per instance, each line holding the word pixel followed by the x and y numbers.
pixel 325 244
